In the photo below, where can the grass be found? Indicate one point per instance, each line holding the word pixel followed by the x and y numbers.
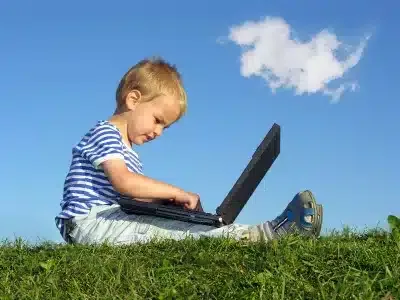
pixel 343 265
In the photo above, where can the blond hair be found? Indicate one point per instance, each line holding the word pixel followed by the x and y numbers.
pixel 152 77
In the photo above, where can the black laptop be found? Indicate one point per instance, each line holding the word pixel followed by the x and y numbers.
pixel 232 205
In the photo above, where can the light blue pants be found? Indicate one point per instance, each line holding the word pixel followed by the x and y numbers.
pixel 110 224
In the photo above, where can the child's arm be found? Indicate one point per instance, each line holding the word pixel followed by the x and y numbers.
pixel 144 188
pixel 136 185
pixel 104 150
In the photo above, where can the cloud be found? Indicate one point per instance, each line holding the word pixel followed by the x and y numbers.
pixel 271 52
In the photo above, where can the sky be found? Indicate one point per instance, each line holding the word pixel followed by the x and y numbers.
pixel 325 71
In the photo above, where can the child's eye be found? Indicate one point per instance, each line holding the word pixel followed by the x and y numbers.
pixel 158 121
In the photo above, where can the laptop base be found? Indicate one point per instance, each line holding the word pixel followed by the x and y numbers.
pixel 170 212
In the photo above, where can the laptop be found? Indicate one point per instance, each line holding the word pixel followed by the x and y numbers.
pixel 230 207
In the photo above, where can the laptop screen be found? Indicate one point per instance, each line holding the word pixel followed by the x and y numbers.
pixel 261 161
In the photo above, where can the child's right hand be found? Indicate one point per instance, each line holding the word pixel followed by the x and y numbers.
pixel 187 199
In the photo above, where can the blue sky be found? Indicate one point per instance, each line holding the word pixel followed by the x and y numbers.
pixel 60 65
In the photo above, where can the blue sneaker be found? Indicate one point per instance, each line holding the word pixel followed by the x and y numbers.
pixel 302 215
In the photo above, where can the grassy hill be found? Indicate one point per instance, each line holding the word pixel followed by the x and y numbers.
pixel 342 265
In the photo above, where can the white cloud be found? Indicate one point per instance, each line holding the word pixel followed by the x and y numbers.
pixel 271 52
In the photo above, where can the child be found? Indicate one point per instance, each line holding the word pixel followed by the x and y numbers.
pixel 104 169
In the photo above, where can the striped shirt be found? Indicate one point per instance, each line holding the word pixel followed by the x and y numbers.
pixel 86 185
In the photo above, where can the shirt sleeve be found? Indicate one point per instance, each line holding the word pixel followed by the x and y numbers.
pixel 103 144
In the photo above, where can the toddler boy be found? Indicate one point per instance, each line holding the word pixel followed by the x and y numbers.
pixel 105 168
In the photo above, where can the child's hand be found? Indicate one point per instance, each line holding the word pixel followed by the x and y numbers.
pixel 187 199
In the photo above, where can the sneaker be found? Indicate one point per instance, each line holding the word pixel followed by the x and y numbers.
pixel 302 215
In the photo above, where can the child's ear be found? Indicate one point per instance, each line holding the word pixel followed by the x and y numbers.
pixel 132 99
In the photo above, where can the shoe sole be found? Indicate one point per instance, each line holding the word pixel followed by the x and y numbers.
pixel 318 222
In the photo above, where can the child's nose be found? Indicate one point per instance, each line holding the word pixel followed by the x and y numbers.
pixel 158 131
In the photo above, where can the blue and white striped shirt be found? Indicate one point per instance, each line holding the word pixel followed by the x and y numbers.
pixel 86 185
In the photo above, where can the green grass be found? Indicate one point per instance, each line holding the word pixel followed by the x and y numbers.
pixel 344 265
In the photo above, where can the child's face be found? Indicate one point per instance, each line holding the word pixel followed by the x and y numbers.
pixel 147 120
